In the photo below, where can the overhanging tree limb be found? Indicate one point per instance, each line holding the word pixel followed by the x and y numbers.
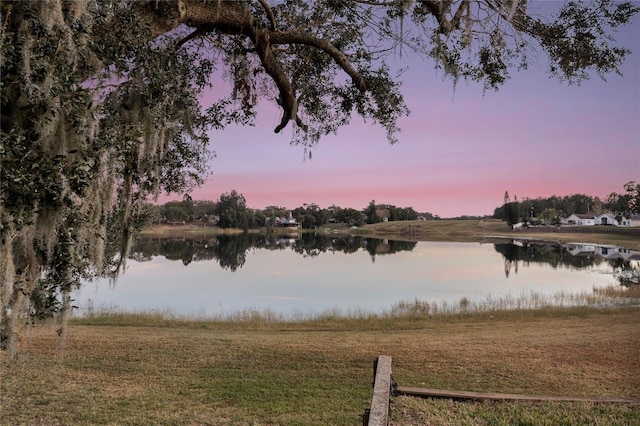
pixel 233 17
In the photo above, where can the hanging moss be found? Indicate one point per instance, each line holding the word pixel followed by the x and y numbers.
pixel 73 165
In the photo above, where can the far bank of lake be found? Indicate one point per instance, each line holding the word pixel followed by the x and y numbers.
pixel 471 230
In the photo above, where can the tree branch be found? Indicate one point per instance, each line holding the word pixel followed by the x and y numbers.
pixel 295 37
pixel 267 9
pixel 233 17
pixel 197 33
pixel 288 101
pixel 455 21
pixel 435 8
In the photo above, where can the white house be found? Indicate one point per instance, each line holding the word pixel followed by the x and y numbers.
pixel 581 219
pixel 631 221
pixel 289 222
pixel 607 219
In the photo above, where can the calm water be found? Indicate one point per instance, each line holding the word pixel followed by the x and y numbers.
pixel 218 276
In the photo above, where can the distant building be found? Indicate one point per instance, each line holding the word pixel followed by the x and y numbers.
pixel 603 219
pixel 288 222
pixel 631 220
pixel 607 219
pixel 579 219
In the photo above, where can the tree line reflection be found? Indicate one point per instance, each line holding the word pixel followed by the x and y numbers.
pixel 624 263
pixel 230 251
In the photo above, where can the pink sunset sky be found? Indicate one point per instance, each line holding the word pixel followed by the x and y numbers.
pixel 458 151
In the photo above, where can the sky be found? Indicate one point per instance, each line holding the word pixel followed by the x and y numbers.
pixel 458 151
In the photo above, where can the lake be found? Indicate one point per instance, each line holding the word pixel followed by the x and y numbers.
pixel 307 273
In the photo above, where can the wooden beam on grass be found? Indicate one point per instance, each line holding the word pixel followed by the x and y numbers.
pixel 379 411
pixel 491 396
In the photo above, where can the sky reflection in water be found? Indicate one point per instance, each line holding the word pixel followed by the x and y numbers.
pixel 286 282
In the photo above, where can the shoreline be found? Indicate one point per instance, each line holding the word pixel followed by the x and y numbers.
pixel 438 230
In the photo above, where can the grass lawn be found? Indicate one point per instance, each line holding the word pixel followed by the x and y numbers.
pixel 482 230
pixel 143 369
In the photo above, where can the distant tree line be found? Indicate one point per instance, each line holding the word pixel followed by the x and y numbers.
pixel 231 211
pixel 549 210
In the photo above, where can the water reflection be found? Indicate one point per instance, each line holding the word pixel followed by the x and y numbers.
pixel 315 272
pixel 623 262
pixel 230 251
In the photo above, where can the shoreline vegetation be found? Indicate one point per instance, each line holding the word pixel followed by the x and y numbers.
pixel 610 296
pixel 257 367
pixel 462 230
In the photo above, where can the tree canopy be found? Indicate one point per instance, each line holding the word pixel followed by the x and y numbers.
pixel 100 101
pixel 551 209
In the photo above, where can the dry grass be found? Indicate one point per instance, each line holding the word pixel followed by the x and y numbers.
pixel 418 412
pixel 588 356
pixel 166 230
pixel 320 373
pixel 433 230
pixel 481 230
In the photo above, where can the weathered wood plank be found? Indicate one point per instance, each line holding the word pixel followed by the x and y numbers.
pixel 440 393
pixel 379 413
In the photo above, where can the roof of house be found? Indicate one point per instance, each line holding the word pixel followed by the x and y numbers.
pixel 584 215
